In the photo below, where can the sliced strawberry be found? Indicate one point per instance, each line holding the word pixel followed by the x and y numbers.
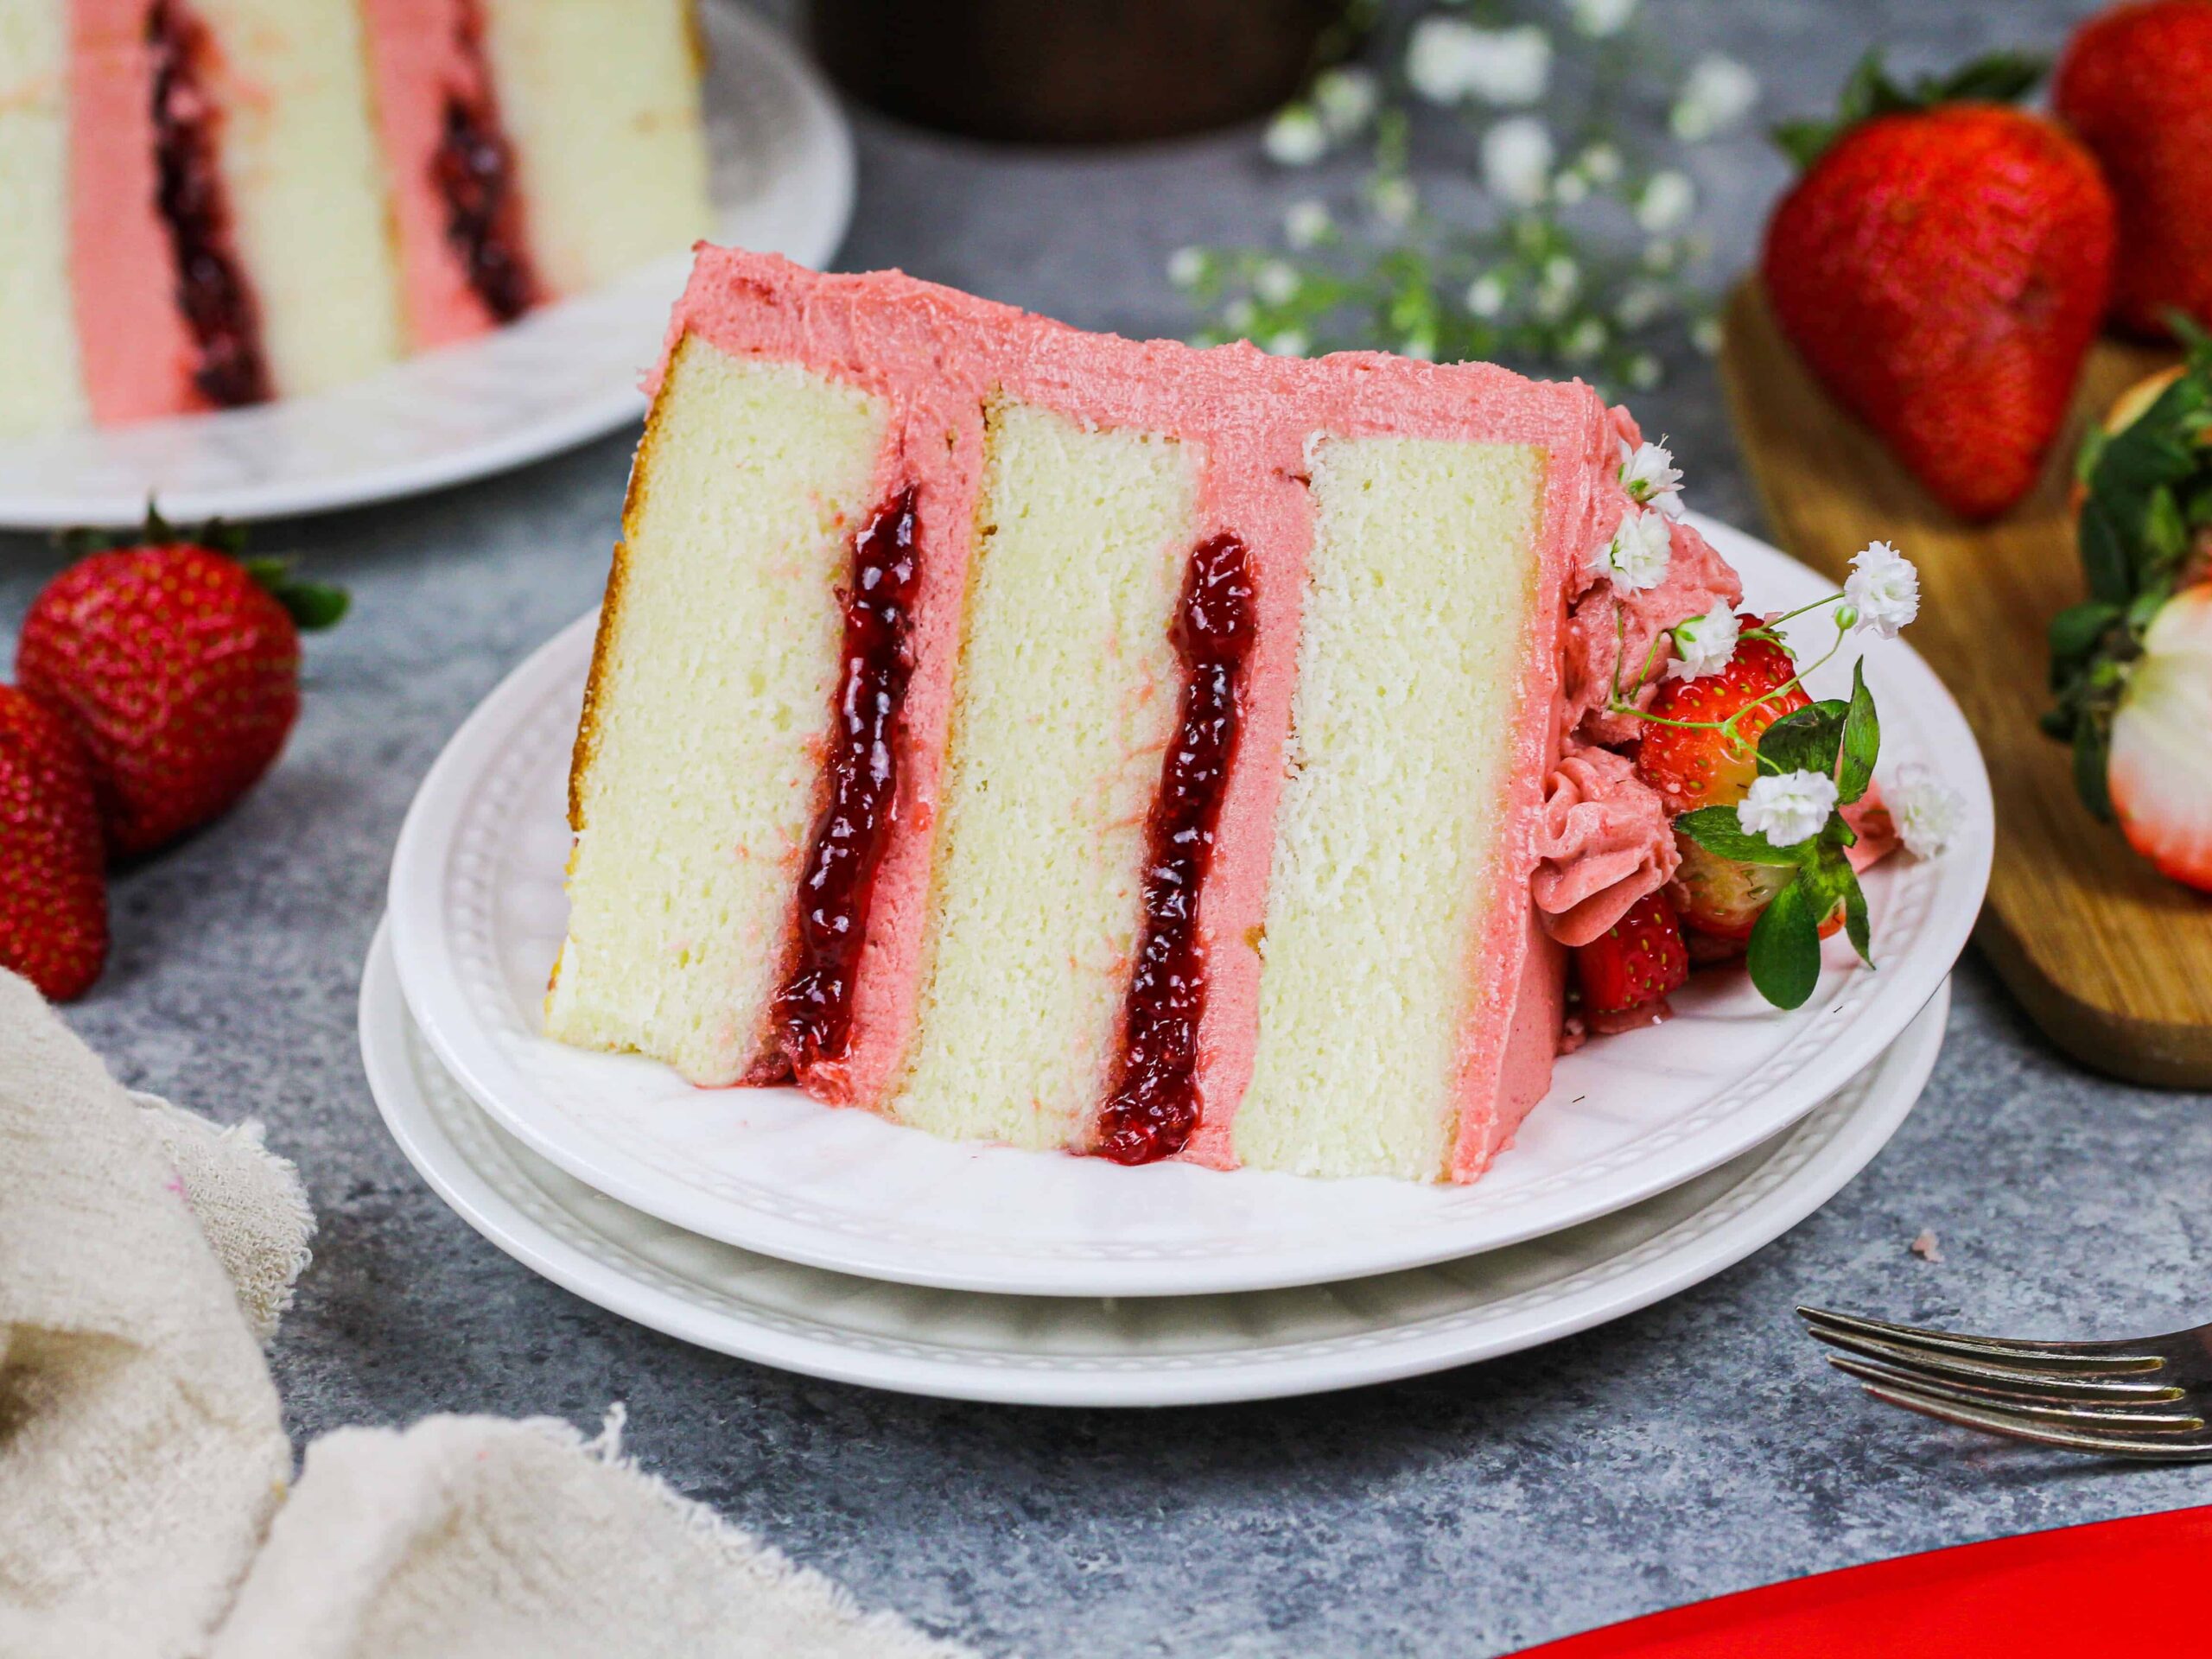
pixel 2160 773
pixel 1720 899
pixel 1637 961
pixel 53 891
pixel 1692 768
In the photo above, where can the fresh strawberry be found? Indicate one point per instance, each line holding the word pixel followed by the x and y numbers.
pixel 1943 266
pixel 1720 899
pixel 53 893
pixel 1637 961
pixel 180 668
pixel 2136 85
pixel 2160 773
pixel 1691 769
pixel 2132 664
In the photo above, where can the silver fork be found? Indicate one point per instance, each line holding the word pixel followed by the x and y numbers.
pixel 2149 1398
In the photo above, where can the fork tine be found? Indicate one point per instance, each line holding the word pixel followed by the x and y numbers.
pixel 2095 1356
pixel 2016 1426
pixel 1929 1365
pixel 2183 1420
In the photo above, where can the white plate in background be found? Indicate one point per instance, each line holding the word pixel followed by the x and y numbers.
pixel 478 912
pixel 782 183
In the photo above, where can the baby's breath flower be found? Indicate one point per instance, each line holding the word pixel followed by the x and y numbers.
pixel 1667 200
pixel 1561 272
pixel 1421 344
pixel 1926 812
pixel 1650 477
pixel 1485 296
pixel 1719 94
pixel 1394 201
pixel 1306 222
pixel 1584 340
pixel 1289 342
pixel 1295 137
pixel 1240 315
pixel 1703 644
pixel 1637 555
pixel 1599 18
pixel 1644 371
pixel 1662 254
pixel 1638 304
pixel 1705 334
pixel 1883 589
pixel 1275 282
pixel 1448 60
pixel 1187 267
pixel 1345 99
pixel 1518 160
pixel 1569 187
pixel 1787 808
pixel 1601 163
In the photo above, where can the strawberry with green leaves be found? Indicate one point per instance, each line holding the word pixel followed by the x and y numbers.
pixel 2132 664
pixel 178 664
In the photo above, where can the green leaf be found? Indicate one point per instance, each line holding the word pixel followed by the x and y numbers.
pixel 2091 757
pixel 2076 631
pixel 1802 140
pixel 2000 77
pixel 1805 740
pixel 1785 949
pixel 311 605
pixel 2165 535
pixel 1718 830
pixel 2104 555
pixel 1854 918
pixel 1862 739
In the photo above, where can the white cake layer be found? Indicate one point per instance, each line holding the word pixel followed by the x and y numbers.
pixel 1416 610
pixel 300 161
pixel 700 755
pixel 600 99
pixel 39 385
pixel 1066 700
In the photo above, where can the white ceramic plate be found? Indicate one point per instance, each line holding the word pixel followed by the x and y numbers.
pixel 783 183
pixel 1153 1351
pixel 478 914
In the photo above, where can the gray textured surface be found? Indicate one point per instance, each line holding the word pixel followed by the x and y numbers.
pixel 1695 1448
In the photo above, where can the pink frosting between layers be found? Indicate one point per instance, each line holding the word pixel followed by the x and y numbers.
pixel 935 355
pixel 414 56
pixel 135 353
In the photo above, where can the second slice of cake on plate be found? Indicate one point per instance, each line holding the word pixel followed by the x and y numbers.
pixel 1045 738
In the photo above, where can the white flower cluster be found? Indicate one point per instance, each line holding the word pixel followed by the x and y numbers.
pixel 1449 61
pixel 1787 807
pixel 1718 92
pixel 1882 593
pixel 1518 157
pixel 1637 555
pixel 1650 477
pixel 1704 645
pixel 1927 813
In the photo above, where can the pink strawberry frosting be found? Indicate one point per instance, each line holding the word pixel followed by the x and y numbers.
pixel 1602 844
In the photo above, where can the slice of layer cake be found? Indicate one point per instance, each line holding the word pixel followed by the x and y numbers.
pixel 215 203
pixel 1045 738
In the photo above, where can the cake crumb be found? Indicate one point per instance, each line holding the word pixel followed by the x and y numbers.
pixel 1926 1248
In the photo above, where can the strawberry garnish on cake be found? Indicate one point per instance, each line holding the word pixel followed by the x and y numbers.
pixel 1943 266
pixel 53 885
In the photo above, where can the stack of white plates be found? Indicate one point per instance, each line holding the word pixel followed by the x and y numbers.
pixel 760 1223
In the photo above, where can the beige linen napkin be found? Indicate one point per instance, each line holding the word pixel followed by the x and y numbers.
pixel 143 1252
pixel 142 1450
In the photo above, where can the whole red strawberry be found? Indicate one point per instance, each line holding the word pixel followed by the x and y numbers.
pixel 179 666
pixel 1691 769
pixel 1943 266
pixel 53 891
pixel 1634 964
pixel 2136 85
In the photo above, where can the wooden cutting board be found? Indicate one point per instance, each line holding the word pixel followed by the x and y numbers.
pixel 2112 960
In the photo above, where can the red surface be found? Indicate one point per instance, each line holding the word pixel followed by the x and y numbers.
pixel 2115 1587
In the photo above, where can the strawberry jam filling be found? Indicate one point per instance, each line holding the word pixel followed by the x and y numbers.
pixel 474 168
pixel 813 1012
pixel 1154 1103
pixel 212 290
